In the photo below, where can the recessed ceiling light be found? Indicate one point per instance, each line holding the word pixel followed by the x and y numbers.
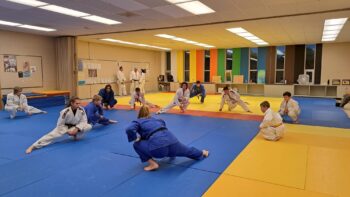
pixel 337 21
pixel 8 23
pixel 184 40
pixel 177 1
pixel 133 43
pixel 332 28
pixel 245 34
pixel 327 39
pixel 101 20
pixel 195 7
pixel 180 39
pixel 32 3
pixel 237 30
pixel 63 10
pixel 37 28
pixel 190 42
pixel 164 36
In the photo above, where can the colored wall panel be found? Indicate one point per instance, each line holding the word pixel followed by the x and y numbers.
pixel 236 63
pixel 180 66
pixel 318 64
pixel 221 63
pixel 193 66
pixel 270 65
pixel 200 64
pixel 213 63
pixel 299 61
pixel 262 58
pixel 289 64
pixel 244 63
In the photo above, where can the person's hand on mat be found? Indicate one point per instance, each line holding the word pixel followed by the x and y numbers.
pixel 220 109
pixel 138 139
pixel 73 132
pixel 29 149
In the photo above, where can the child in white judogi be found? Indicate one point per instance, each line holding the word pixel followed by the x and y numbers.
pixel 232 99
pixel 181 99
pixel 17 101
pixel 290 107
pixel 121 82
pixel 272 127
pixel 72 121
pixel 143 80
pixel 135 80
pixel 139 97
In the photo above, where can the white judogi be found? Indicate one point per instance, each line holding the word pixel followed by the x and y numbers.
pixel 142 82
pixel 140 97
pixel 16 103
pixel 121 83
pixel 181 99
pixel 66 122
pixel 293 109
pixel 232 99
pixel 135 79
pixel 272 127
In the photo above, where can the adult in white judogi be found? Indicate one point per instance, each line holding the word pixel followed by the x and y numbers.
pixel 72 121
pixel 272 127
pixel 143 80
pixel 181 99
pixel 232 99
pixel 290 107
pixel 138 96
pixel 17 101
pixel 135 80
pixel 121 82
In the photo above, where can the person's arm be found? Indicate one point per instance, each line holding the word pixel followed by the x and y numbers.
pixel 222 102
pixel 100 110
pixel 266 122
pixel 61 122
pixel 83 119
pixel 131 131
pixel 176 97
pixel 10 100
pixel 187 95
pixel 203 90
pixel 101 93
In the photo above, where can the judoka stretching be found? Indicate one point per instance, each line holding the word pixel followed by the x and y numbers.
pixel 134 79
pixel 17 101
pixel 143 80
pixel 232 99
pixel 181 99
pixel 139 97
pixel 272 127
pixel 290 107
pixel 107 95
pixel 121 82
pixel 152 139
pixel 72 121
pixel 94 112
pixel 198 90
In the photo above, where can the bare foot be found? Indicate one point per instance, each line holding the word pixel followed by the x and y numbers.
pixel 205 153
pixel 296 122
pixel 29 113
pixel 29 150
pixel 113 121
pixel 153 165
pixel 249 111
pixel 44 112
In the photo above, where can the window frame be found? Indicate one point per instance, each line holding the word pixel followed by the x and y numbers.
pixel 278 69
pixel 254 70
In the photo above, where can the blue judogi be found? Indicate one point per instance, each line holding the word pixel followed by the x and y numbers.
pixel 94 113
pixel 107 97
pixel 198 90
pixel 156 141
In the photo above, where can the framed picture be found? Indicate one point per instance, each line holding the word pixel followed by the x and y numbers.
pixel 345 82
pixel 335 81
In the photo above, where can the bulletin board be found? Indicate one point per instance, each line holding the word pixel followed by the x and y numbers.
pixel 20 70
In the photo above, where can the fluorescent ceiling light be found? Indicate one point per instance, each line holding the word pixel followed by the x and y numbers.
pixel 337 21
pixel 133 43
pixel 179 39
pixel 328 39
pixel 236 30
pixel 8 23
pixel 245 34
pixel 332 28
pixel 190 42
pixel 331 32
pixel 63 10
pixel 32 3
pixel 37 28
pixel 101 20
pixel 195 7
pixel 165 36
pixel 177 1
pixel 184 40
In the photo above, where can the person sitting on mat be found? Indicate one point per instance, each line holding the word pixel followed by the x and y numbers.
pixel 232 99
pixel 198 90
pixel 180 99
pixel 107 95
pixel 152 139
pixel 94 112
pixel 72 121
pixel 272 127
pixel 290 107
pixel 139 97
pixel 17 101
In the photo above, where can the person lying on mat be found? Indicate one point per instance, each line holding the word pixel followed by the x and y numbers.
pixel 72 121
pixel 138 97
pixel 94 112
pixel 17 101
pixel 272 127
pixel 107 95
pixel 232 99
pixel 152 139
pixel 198 90
pixel 290 107
pixel 180 99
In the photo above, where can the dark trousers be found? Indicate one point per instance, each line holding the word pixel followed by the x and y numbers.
pixel 194 93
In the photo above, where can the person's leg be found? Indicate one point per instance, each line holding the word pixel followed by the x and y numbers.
pixel 124 90
pixel 167 108
pixel 231 106
pixel 120 89
pixel 48 138
pixel 112 103
pixel 33 110
pixel 293 115
pixel 193 94
pixel 104 121
pixel 269 133
pixel 181 150
pixel 141 148
pixel 280 131
pixel 12 110
pixel 202 97
pixel 132 87
pixel 185 105
pixel 243 105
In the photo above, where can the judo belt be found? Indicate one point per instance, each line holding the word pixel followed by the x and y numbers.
pixel 153 132
pixel 277 125
pixel 70 125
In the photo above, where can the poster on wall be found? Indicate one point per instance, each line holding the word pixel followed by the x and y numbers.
pixel 10 63
pixel 80 65
pixel 26 70
pixel 92 72
pixel 33 69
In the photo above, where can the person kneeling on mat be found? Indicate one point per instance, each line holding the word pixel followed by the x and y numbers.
pixel 139 97
pixel 290 107
pixel 181 99
pixel 198 90
pixel 94 112
pixel 272 127
pixel 72 121
pixel 232 99
pixel 107 95
pixel 152 139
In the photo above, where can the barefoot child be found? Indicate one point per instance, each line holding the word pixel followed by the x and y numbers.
pixel 94 112
pixel 152 139
pixel 272 127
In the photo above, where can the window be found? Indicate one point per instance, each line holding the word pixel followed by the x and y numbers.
pixel 310 56
pixel 187 65
pixel 253 65
pixel 206 66
pixel 280 63
pixel 168 63
pixel 228 71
